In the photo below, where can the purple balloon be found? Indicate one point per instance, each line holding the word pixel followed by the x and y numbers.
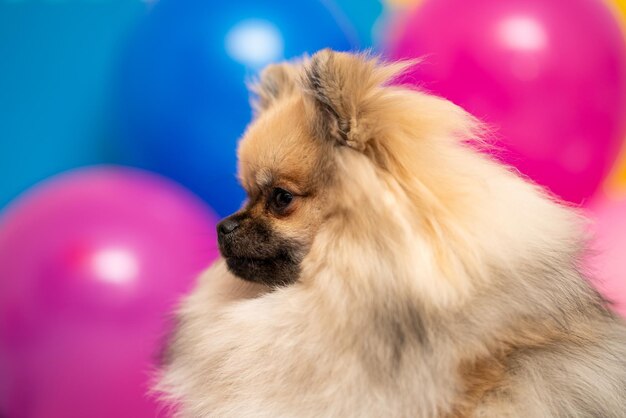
pixel 549 75
pixel 91 264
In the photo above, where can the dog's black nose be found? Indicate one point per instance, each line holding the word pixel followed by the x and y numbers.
pixel 227 226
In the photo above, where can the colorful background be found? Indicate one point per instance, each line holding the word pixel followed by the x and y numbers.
pixel 118 126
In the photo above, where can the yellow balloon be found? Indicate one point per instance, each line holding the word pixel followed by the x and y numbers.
pixel 619 8
pixel 615 185
pixel 403 3
pixel 620 177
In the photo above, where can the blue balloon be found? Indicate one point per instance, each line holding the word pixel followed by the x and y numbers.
pixel 55 73
pixel 181 100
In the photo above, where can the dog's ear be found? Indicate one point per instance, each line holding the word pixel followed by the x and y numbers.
pixel 344 91
pixel 275 81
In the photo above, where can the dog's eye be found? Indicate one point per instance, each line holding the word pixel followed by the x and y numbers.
pixel 280 199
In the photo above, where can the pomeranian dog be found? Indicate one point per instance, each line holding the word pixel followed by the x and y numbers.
pixel 383 266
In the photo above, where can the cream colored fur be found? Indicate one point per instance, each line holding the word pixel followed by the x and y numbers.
pixel 439 283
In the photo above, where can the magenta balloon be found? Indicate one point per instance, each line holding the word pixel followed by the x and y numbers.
pixel 91 264
pixel 608 259
pixel 549 75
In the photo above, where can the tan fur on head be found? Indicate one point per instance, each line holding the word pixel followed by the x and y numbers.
pixel 276 81
pixel 346 95
pixel 390 269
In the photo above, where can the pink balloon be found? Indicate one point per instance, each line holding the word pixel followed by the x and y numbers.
pixel 608 259
pixel 91 264
pixel 548 75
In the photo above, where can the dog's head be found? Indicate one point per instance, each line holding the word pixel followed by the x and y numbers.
pixel 285 170
pixel 307 113
pixel 334 143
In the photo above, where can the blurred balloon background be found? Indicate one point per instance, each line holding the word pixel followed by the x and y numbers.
pixel 55 63
pixel 549 76
pixel 607 263
pixel 93 260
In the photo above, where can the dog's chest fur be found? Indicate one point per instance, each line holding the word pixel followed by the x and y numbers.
pixel 285 354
